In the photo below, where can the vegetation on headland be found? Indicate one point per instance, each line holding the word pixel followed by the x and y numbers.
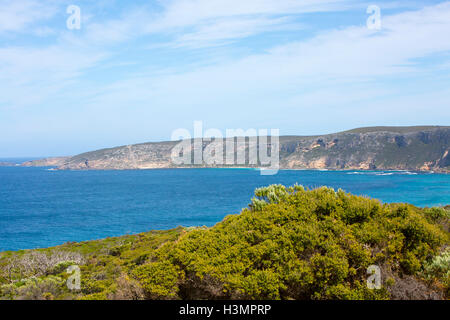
pixel 290 243
pixel 419 148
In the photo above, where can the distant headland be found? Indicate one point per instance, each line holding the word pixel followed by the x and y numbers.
pixel 419 148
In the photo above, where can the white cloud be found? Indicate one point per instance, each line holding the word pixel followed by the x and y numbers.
pixel 333 57
pixel 31 76
pixel 200 23
pixel 191 12
pixel 17 16
pixel 328 63
pixel 46 70
pixel 225 31
pixel 334 78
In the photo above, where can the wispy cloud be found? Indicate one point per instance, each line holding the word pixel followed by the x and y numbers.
pixel 225 31
pixel 331 69
pixel 200 23
pixel 30 76
pixel 104 79
pixel 18 16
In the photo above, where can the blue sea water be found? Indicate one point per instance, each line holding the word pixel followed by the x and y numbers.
pixel 42 208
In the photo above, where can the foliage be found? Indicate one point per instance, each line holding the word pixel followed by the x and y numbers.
pixel 291 243
pixel 159 279
pixel 439 269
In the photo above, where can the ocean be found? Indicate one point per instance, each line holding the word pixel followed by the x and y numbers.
pixel 40 207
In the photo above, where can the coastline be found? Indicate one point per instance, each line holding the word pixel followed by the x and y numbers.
pixel 255 168
pixel 42 164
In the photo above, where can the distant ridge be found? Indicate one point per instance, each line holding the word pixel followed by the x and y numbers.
pixel 419 148
pixel 47 162
pixel 395 129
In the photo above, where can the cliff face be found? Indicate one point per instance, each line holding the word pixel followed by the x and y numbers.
pixel 424 149
pixel 395 148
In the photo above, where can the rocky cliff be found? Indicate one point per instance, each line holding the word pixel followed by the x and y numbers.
pixel 384 148
pixel 412 148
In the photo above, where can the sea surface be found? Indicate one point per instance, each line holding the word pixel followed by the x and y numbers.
pixel 41 207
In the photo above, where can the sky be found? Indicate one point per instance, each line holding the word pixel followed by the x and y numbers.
pixel 136 71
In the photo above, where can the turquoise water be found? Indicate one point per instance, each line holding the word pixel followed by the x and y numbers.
pixel 41 208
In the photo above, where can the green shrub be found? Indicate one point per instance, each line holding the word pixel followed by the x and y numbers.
pixel 439 269
pixel 291 243
pixel 62 266
pixel 294 243
pixel 159 279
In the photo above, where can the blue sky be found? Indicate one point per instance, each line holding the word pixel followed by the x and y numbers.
pixel 138 70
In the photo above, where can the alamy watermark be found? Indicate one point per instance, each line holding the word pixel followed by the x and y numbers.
pixel 374 20
pixel 374 279
pixel 74 20
pixel 237 147
pixel 74 280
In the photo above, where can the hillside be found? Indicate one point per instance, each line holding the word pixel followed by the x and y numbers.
pixel 47 162
pixel 290 243
pixel 386 148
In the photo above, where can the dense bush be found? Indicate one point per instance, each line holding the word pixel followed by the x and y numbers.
pixel 298 244
pixel 290 243
pixel 439 269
